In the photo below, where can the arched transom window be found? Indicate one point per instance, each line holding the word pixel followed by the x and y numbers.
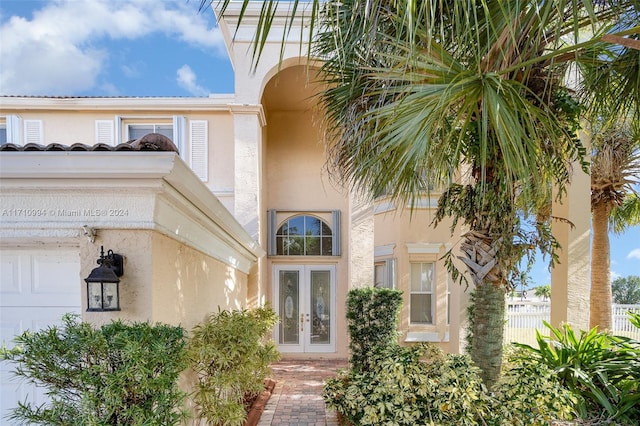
pixel 304 235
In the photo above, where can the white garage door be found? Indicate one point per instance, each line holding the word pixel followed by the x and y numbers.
pixel 37 287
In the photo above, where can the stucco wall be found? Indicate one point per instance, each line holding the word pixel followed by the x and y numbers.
pixel 296 181
pixel 67 124
pixel 135 285
pixel 415 239
pixel 164 280
pixel 188 285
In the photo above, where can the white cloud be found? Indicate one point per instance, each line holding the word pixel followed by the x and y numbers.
pixel 61 49
pixel 133 70
pixel 634 254
pixel 187 79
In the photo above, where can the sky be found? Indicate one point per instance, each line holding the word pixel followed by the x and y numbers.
pixel 147 48
pixel 111 48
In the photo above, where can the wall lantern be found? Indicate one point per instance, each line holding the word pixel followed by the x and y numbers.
pixel 102 283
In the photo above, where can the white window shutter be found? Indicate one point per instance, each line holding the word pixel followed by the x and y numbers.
pixel 179 134
pixel 14 129
pixel 33 131
pixel 118 127
pixel 199 159
pixel 105 132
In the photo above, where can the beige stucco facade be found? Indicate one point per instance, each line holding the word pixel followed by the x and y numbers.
pixel 197 229
pixel 185 256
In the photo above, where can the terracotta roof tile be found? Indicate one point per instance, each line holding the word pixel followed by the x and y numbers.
pixel 148 142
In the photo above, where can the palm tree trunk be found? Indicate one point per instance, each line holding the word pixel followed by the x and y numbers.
pixel 600 299
pixel 480 255
pixel 488 331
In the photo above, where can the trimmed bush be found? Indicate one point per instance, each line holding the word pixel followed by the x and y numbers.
pixel 118 374
pixel 231 352
pixel 372 321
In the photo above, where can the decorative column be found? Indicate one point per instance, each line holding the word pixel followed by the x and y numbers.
pixel 571 277
pixel 248 122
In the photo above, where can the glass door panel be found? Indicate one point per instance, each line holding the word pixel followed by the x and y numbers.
pixel 320 307
pixel 289 302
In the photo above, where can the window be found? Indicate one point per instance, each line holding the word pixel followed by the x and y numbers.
pixel 193 147
pixel 384 274
pixel 422 294
pixel 304 236
pixel 13 129
pixel 136 131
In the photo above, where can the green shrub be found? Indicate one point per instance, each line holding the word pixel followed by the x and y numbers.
pixel 231 353
pixel 601 369
pixel 119 374
pixel 403 389
pixel 529 394
pixel 372 321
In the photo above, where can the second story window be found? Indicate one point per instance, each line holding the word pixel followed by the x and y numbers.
pixel 3 134
pixel 302 233
pixel 191 137
pixel 304 236
pixel 136 131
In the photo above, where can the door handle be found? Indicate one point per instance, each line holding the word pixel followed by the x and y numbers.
pixel 301 322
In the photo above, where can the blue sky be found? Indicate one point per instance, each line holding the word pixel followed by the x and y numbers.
pixel 111 48
pixel 146 48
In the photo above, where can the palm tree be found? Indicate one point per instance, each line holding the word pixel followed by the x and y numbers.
pixel 418 90
pixel 615 170
pixel 614 116
pixel 543 291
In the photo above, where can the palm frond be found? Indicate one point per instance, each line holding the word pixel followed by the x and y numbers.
pixel 626 215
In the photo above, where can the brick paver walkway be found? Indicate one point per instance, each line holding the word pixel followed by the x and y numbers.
pixel 297 396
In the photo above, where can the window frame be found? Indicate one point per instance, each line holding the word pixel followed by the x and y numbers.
pixel 387 276
pixel 277 218
pixel 153 124
pixel 3 126
pixel 307 235
pixel 432 292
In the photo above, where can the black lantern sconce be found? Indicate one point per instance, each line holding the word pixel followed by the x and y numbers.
pixel 103 281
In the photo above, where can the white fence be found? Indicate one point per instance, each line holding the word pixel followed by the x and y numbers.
pixel 524 318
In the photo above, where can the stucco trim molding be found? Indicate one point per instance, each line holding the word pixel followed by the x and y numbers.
pixel 425 336
pixel 424 248
pixel 47 194
pixel 172 104
pixel 384 250
pixel 250 109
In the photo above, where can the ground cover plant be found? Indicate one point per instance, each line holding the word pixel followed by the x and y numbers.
pixel 118 374
pixel 231 351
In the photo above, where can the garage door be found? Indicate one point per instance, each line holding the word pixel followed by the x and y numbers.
pixel 37 287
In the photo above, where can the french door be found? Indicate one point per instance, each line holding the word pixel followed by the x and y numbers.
pixel 304 298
